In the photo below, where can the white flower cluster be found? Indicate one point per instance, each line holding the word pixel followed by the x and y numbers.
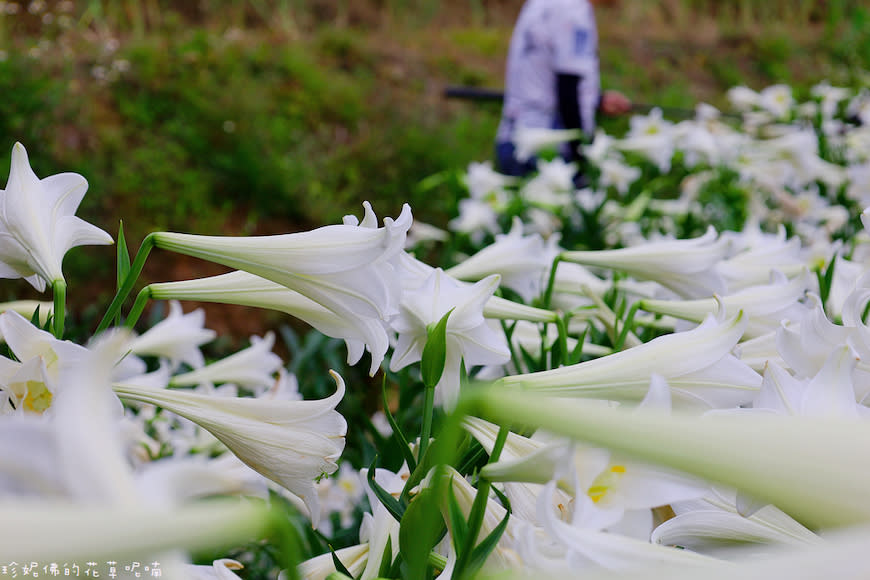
pixel 657 381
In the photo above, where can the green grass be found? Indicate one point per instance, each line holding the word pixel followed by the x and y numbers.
pixel 258 116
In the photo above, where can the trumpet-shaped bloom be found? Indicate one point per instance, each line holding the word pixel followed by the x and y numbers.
pixel 469 337
pixel 252 367
pixel 359 332
pixel 38 223
pixel 32 383
pixel 483 181
pixel 530 140
pixel 687 267
pixel 771 465
pixel 289 442
pixel 177 337
pixel 765 306
pixel 714 521
pixel 522 261
pixel 347 268
pixel 696 363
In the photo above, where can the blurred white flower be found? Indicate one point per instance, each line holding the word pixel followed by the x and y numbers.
pixel 713 524
pixel 38 223
pixel 522 261
pixel 617 174
pixel 476 218
pixel 743 98
pixel 219 570
pixel 776 99
pixel 483 181
pixel 530 140
pixel 176 338
pixel 253 367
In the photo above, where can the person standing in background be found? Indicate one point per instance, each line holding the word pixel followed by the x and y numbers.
pixel 552 79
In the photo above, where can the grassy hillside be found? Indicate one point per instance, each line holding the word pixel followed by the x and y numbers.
pixel 264 116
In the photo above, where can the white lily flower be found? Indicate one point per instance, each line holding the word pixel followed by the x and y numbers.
pixel 289 442
pixel 743 98
pixel 756 254
pixel 347 268
pixel 219 570
pixel 483 181
pixel 586 546
pixel 619 175
pixel 696 363
pixel 380 527
pixel 241 288
pixel 61 531
pixel 340 495
pixel 687 267
pixel 253 367
pixel 622 491
pixel 176 338
pixel 771 464
pixel 830 393
pixel 843 553
pixel 27 308
pixel 530 140
pixel 38 223
pixel 33 382
pixel 657 147
pixel 469 337
pixel 713 524
pixel 175 480
pixel 353 558
pixel 776 99
pixel 502 309
pixel 476 218
pixel 522 261
pixel 765 306
pixel 524 465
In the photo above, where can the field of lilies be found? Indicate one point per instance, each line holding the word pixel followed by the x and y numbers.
pixel 660 374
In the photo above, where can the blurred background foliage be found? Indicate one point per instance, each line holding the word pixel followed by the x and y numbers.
pixel 269 116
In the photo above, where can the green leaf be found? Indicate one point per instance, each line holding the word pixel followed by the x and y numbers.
pixel 34 320
pixel 339 567
pixel 435 352
pixel 627 326
pixel 394 506
pixel 386 559
pixel 482 551
pixel 123 256
pixel 458 523
pixel 577 353
pixel 422 527
pixel 531 364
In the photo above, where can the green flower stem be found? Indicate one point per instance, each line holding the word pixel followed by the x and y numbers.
pixel 508 333
pixel 138 306
pixel 478 508
pixel 551 281
pixel 129 281
pixel 428 411
pixel 58 287
pixel 562 326
pixel 609 319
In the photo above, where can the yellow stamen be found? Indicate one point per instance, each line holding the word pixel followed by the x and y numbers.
pixel 38 397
